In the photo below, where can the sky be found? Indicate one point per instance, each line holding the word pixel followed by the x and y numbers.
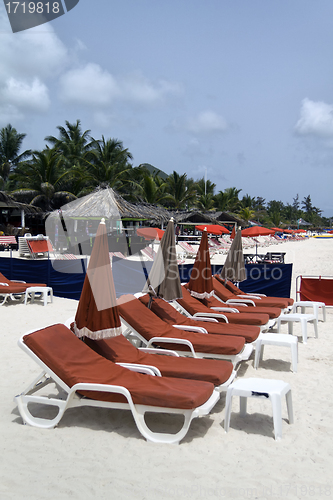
pixel 238 90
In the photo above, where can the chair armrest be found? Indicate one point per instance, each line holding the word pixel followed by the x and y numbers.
pixel 155 350
pixel 146 369
pixel 210 320
pixel 243 301
pixel 226 309
pixel 188 328
pixel 212 315
pixel 250 296
pixel 168 340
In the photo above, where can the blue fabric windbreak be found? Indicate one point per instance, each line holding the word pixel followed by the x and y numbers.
pixel 273 280
pixel 270 279
pixel 66 281
pixel 130 276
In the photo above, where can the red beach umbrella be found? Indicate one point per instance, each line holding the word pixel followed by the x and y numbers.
pixel 254 231
pixel 201 282
pixel 213 229
pixel 257 231
pixel 150 233
pixel 97 315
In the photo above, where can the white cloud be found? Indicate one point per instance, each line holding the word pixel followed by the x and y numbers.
pixel 138 89
pixel 31 54
pixel 9 114
pixel 92 85
pixel 27 61
pixel 207 122
pixel 26 96
pixel 316 118
pixel 89 85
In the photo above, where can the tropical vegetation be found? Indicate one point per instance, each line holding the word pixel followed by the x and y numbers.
pixel 74 163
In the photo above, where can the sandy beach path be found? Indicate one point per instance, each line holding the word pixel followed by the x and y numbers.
pixel 100 454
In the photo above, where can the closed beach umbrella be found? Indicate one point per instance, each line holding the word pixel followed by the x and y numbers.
pixel 201 282
pixel 97 315
pixel 163 280
pixel 234 267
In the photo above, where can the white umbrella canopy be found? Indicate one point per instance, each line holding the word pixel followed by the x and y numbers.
pixel 234 267
pixel 163 280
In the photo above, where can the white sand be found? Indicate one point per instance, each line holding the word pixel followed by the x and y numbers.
pixel 100 454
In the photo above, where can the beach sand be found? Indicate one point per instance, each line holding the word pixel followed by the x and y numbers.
pixel 95 453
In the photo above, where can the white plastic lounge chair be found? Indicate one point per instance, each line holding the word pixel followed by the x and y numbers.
pixel 83 378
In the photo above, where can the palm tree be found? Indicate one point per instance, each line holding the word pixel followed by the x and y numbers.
pixel 181 190
pixel 152 190
pixel 228 199
pixel 73 144
pixel 41 181
pixel 206 202
pixel 246 214
pixel 10 145
pixel 108 164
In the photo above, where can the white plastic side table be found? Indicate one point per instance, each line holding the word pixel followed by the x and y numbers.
pixel 260 388
pixel 303 304
pixel 45 291
pixel 304 319
pixel 279 339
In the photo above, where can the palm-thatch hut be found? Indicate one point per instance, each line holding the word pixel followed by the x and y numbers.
pixel 15 215
pixel 76 223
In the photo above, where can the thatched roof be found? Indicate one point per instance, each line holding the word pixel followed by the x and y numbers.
pixel 7 201
pixel 109 204
pixel 197 217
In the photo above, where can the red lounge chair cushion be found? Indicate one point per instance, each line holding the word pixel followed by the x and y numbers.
pixel 74 362
pixel 193 306
pixel 120 350
pixel 273 312
pixel 171 316
pixel 148 325
pixel 14 284
pixel 281 302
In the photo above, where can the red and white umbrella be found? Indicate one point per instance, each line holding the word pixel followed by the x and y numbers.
pixel 97 315
pixel 201 282
pixel 213 229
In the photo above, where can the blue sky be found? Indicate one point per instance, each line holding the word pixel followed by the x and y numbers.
pixel 242 89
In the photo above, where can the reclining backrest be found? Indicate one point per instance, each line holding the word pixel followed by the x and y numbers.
pixel 221 290
pixel 233 288
pixel 142 319
pixel 165 311
pixel 191 304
